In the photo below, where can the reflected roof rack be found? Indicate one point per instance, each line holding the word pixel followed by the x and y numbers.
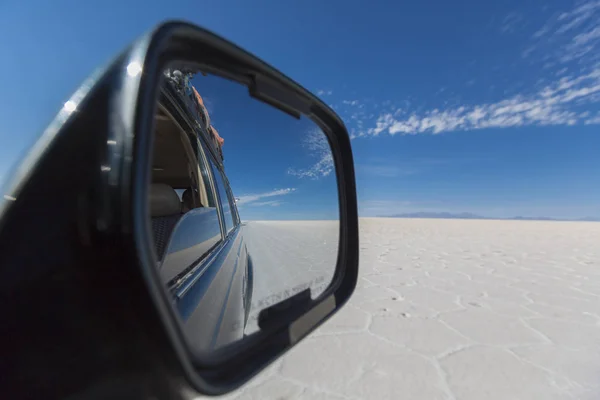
pixel 177 91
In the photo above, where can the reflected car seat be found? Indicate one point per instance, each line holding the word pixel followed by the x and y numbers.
pixel 165 212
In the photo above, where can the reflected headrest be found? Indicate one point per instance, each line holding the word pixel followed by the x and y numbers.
pixel 163 200
pixel 188 200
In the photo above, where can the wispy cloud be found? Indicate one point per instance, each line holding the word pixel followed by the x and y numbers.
pixel 556 104
pixel 571 35
pixel 318 146
pixel 322 92
pixel 274 203
pixel 511 22
pixel 250 199
pixel 350 102
pixel 569 43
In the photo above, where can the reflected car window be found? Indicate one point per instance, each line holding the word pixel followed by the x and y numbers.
pixel 223 194
pixel 205 176
pixel 183 210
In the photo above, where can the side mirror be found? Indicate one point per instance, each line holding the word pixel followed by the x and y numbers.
pixel 179 125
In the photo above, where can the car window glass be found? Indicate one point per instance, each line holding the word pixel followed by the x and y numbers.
pixel 183 212
pixel 234 214
pixel 223 194
pixel 205 176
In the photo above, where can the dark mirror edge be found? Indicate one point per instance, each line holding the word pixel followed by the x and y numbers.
pixel 176 42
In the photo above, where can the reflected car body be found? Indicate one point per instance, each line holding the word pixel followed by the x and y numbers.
pixel 206 265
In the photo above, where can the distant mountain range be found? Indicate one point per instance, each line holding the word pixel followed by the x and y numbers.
pixel 467 215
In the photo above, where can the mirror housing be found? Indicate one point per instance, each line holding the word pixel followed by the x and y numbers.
pixel 184 43
pixel 112 203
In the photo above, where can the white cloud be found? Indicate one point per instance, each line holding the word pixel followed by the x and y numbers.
pixel 554 104
pixel 274 203
pixel 572 35
pixel 586 37
pixel 511 22
pixel 251 198
pixel 350 102
pixel 383 122
pixel 567 50
pixel 577 16
pixel 316 142
pixel 595 120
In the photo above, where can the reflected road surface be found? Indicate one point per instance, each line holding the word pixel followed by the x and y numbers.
pixel 289 256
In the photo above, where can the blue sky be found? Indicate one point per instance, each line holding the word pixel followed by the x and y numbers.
pixel 278 166
pixel 488 107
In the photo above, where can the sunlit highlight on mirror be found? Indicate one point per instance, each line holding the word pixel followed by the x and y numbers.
pixel 134 69
pixel 70 106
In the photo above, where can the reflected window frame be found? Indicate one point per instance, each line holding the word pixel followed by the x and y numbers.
pixel 207 160
pixel 237 221
pixel 232 205
pixel 215 168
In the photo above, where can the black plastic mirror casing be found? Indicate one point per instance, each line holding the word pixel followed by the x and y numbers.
pixel 111 213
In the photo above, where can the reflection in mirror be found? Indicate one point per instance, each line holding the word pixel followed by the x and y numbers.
pixel 243 206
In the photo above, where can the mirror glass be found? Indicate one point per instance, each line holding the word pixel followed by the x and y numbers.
pixel 243 206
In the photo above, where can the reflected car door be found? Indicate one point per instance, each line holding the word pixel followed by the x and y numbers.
pixel 210 300
pixel 234 312
pixel 243 257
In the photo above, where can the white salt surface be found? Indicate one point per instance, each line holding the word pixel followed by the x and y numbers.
pixel 456 309
pixel 289 257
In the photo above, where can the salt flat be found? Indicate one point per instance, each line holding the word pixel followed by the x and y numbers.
pixel 457 309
